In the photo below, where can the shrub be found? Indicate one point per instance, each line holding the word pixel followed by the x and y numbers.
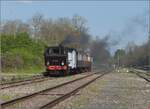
pixel 20 51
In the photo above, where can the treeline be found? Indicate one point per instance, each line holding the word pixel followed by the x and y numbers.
pixel 50 31
pixel 23 43
pixel 134 55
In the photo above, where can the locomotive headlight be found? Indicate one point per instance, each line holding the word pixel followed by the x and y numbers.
pixel 62 63
pixel 47 63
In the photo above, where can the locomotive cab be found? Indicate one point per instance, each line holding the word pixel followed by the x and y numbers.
pixel 55 60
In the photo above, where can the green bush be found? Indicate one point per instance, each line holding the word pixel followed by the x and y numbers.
pixel 21 52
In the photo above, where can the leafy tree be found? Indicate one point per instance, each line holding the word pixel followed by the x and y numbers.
pixel 20 52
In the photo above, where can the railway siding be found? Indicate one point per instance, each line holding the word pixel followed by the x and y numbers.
pixel 142 74
pixel 114 91
pixel 12 78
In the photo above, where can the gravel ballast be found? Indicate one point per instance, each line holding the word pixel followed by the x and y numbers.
pixel 15 92
pixel 117 90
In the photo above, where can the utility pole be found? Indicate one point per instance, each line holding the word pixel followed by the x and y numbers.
pixel 118 61
pixel 149 36
pixel 149 47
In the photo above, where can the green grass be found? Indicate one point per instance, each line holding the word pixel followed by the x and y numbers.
pixel 27 71
pixel 148 73
pixel 20 74
pixel 5 97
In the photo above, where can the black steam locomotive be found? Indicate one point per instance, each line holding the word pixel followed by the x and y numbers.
pixel 60 60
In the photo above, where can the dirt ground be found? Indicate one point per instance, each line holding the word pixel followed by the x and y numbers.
pixel 117 90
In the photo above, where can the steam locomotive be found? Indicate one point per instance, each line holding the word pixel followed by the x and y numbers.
pixel 60 60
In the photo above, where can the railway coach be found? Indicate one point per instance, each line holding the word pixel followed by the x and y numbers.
pixel 60 60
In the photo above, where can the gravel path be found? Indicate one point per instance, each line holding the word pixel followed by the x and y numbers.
pixel 113 91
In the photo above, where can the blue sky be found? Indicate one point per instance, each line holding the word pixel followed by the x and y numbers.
pixel 104 17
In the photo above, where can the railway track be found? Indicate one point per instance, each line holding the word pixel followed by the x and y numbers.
pixel 147 78
pixel 23 82
pixel 36 79
pixel 143 75
pixel 51 96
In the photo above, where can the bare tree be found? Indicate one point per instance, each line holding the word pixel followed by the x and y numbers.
pixel 10 27
pixel 80 23
pixel 36 21
pixel 13 27
pixel 24 28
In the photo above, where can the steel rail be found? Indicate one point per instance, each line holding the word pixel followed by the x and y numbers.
pixel 13 82
pixel 30 79
pixel 73 92
pixel 141 76
pixel 24 83
pixel 13 101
